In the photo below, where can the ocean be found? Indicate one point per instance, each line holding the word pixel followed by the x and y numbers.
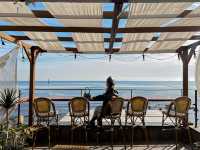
pixel 126 89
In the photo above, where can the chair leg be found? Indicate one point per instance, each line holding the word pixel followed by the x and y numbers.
pixel 163 116
pixel 72 136
pixel 122 133
pixel 86 137
pixel 146 135
pixel 97 139
pixel 189 136
pixel 34 140
pixel 132 135
pixel 49 136
pixel 125 127
pixel 112 132
pixel 176 134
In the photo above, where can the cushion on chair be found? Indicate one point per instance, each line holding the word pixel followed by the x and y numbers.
pixel 80 114
pixel 172 114
pixel 49 114
pixel 138 114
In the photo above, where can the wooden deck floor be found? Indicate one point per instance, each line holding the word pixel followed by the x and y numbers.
pixel 135 147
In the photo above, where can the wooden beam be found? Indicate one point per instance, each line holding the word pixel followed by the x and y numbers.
pixel 109 1
pixel 115 22
pixel 75 50
pixel 186 54
pixel 12 39
pixel 55 29
pixel 159 29
pixel 27 53
pixel 35 50
pixel 101 29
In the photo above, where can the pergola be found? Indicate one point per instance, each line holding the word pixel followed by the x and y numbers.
pixel 150 26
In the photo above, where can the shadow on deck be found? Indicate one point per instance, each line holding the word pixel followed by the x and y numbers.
pixel 156 135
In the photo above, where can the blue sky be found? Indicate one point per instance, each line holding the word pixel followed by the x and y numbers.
pixel 98 67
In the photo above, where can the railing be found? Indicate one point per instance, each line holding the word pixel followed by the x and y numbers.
pixel 131 92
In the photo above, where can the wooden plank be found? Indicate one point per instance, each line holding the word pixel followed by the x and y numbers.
pixel 110 1
pixel 101 30
pixel 159 29
pixel 13 40
pixel 55 29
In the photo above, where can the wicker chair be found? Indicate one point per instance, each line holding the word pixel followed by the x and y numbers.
pixel 177 112
pixel 116 106
pixel 45 111
pixel 136 109
pixel 79 108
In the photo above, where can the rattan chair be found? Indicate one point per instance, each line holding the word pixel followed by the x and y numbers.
pixel 79 108
pixel 177 112
pixel 45 114
pixel 136 109
pixel 45 111
pixel 116 106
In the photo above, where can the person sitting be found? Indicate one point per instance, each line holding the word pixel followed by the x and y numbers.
pixel 104 110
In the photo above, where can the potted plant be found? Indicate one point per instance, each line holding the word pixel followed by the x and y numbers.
pixel 8 99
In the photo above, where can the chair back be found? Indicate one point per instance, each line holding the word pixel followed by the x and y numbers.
pixel 78 105
pixel 139 104
pixel 182 104
pixel 42 105
pixel 116 105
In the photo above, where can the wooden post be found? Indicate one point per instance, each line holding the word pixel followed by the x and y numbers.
pixel 34 53
pixel 185 73
pixel 186 56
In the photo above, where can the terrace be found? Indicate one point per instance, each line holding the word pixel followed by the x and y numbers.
pixel 81 27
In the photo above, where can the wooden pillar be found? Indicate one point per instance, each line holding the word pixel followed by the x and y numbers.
pixel 186 55
pixel 185 74
pixel 34 53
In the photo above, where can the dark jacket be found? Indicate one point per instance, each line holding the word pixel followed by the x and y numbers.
pixel 106 97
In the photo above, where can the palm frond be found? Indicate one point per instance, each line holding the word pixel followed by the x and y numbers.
pixel 8 98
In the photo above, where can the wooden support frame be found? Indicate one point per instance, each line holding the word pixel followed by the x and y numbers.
pixel 110 1
pixel 100 29
pixel 115 22
pixel 35 50
pixel 186 54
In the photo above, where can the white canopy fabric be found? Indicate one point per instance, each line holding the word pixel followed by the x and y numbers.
pixel 158 9
pixel 8 70
pixel 65 17
pixel 8 76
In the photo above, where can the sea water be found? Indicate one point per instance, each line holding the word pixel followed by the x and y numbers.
pixel 126 89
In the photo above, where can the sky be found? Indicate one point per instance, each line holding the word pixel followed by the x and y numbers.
pixel 98 67
pixel 58 67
